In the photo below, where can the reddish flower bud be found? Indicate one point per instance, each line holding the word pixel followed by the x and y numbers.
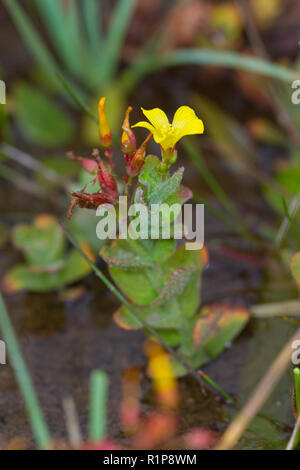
pixel 106 180
pixel 137 161
pixel 128 140
pixel 104 129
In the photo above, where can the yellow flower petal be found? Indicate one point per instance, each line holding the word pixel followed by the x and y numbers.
pixel 186 122
pixel 167 135
pixel 156 135
pixel 158 119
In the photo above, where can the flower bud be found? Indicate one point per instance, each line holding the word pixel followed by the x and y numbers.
pixel 104 129
pixel 139 158
pixel 128 141
pixel 106 180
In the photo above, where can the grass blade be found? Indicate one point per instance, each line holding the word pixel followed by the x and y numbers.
pixel 52 15
pixel 34 411
pixel 291 221
pixel 207 57
pixel 63 25
pixel 293 442
pixel 297 388
pixel 31 37
pixel 98 406
pixel 92 14
pixel 76 97
pixel 115 38
pixel 285 224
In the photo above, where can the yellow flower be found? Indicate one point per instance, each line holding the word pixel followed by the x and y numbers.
pixel 185 122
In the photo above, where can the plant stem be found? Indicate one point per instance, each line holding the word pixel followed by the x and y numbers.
pixel 297 388
pixel 36 418
pixel 293 442
pixel 98 405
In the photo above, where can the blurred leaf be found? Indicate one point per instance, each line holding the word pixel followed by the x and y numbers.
pixel 42 242
pixel 118 28
pixel 31 37
pixel 82 226
pixel 49 266
pixel 55 21
pixel 76 267
pixel 206 57
pixel 41 121
pixel 267 132
pixel 23 277
pixel 92 14
pixel 63 25
pixel 289 179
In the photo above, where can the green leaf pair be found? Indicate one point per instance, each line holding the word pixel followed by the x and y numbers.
pixel 48 264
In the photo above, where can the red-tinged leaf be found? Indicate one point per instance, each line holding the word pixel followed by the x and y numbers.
pixel 217 326
pixel 175 285
pixel 124 320
pixel 116 255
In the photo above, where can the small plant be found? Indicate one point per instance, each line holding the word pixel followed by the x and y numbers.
pixel 158 276
pixel 48 266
